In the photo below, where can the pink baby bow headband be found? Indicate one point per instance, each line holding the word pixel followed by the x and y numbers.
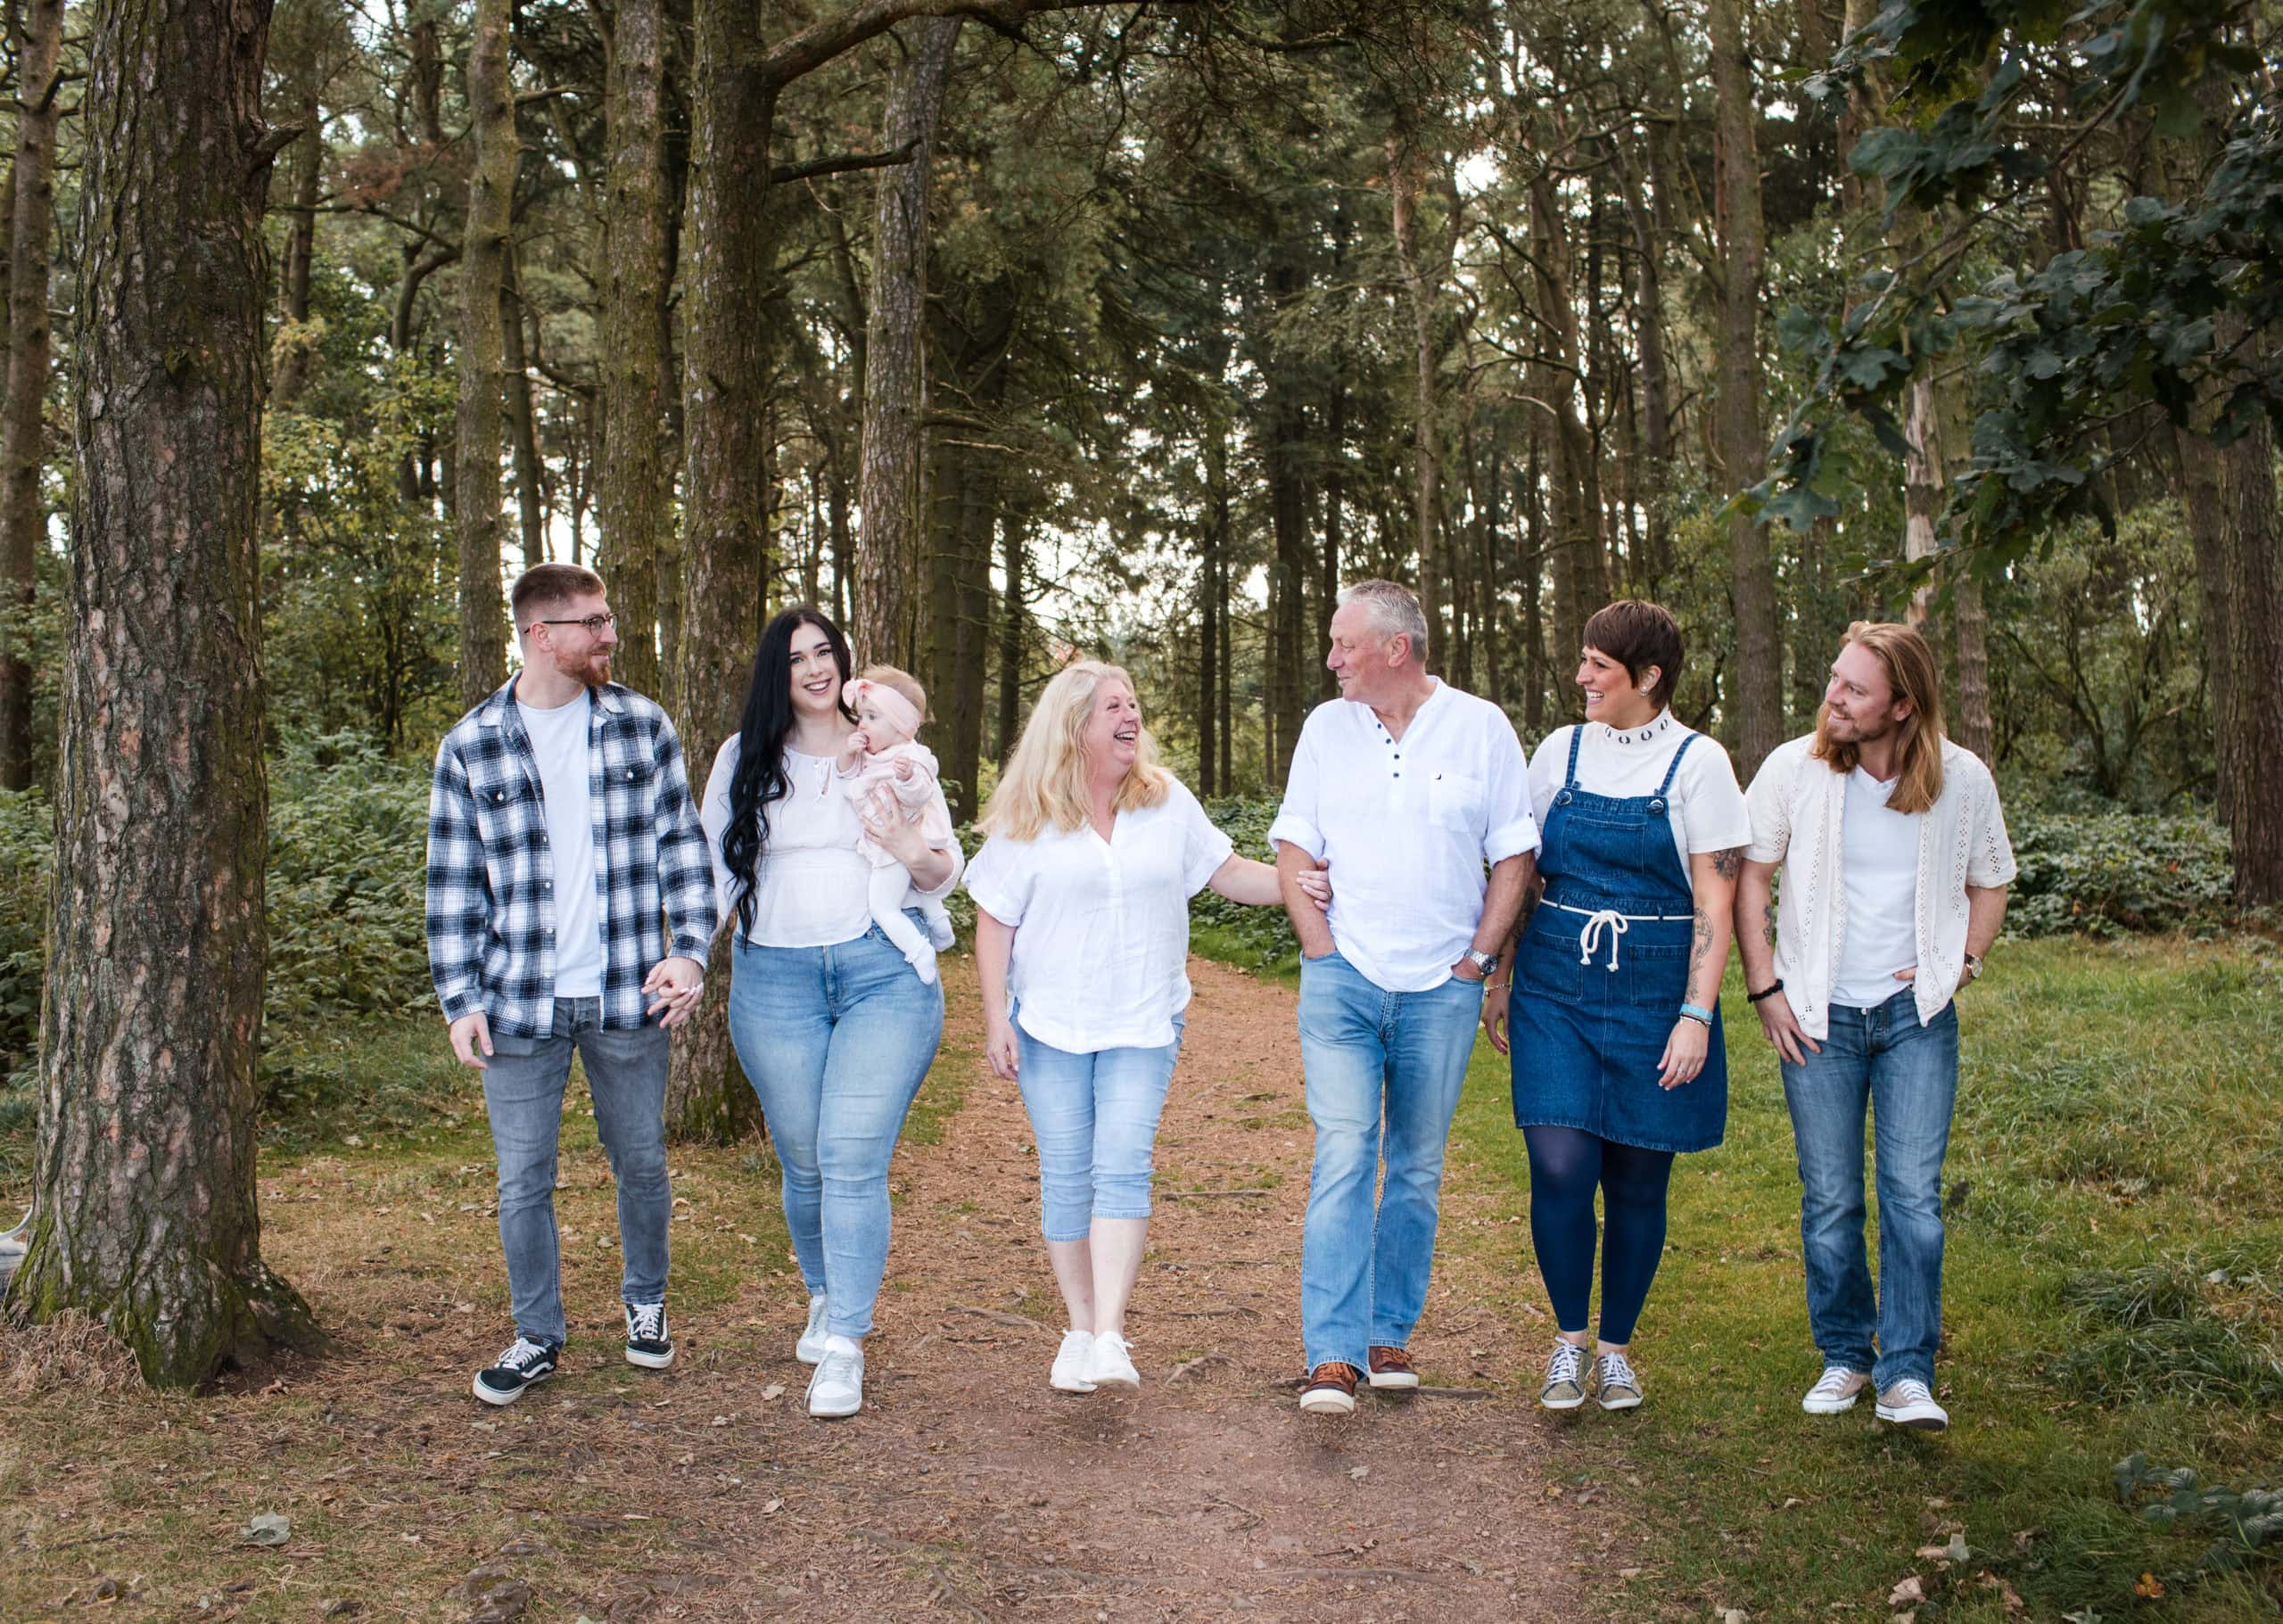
pixel 898 709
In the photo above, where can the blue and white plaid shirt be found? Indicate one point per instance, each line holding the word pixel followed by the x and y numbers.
pixel 492 878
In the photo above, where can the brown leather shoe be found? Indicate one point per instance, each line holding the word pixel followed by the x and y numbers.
pixel 1330 1390
pixel 1391 1368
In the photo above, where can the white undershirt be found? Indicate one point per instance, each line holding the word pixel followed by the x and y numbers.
pixel 559 745
pixel 1706 812
pixel 1879 869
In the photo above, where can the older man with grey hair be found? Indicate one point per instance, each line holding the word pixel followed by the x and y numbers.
pixel 1417 797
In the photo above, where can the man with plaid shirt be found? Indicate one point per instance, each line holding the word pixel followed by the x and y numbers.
pixel 564 854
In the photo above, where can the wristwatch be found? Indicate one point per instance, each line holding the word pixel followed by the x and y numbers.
pixel 1973 967
pixel 1485 962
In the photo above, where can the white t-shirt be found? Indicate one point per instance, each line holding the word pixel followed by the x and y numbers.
pixel 1101 927
pixel 1409 825
pixel 559 745
pixel 811 887
pixel 1707 809
pixel 1878 870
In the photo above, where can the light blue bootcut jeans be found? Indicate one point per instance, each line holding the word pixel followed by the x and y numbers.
pixel 835 1041
pixel 1384 1070
pixel 522 1094
pixel 1908 1075
pixel 1094 1118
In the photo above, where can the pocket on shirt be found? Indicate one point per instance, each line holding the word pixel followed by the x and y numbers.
pixel 1455 800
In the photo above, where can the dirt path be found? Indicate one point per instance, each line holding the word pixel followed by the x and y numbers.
pixel 966 1487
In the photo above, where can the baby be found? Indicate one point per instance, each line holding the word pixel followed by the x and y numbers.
pixel 886 766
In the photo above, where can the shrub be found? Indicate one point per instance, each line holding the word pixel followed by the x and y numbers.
pixel 2114 872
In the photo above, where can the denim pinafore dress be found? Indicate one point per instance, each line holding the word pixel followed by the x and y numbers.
pixel 1603 971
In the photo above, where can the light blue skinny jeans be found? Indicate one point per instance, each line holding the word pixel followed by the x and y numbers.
pixel 1384 1071
pixel 1095 1118
pixel 835 1041
pixel 1907 1074
pixel 522 1096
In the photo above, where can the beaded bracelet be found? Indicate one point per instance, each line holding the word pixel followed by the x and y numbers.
pixel 1766 991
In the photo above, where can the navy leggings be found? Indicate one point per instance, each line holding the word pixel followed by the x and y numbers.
pixel 1566 1166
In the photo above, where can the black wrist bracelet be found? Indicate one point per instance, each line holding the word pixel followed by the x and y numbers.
pixel 1767 992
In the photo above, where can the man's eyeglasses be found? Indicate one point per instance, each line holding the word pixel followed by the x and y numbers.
pixel 595 624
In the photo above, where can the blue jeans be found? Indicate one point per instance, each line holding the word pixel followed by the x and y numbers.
pixel 523 1095
pixel 835 1041
pixel 1384 1070
pixel 1095 1120
pixel 1908 1076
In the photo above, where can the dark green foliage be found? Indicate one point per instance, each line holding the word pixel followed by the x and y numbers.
pixel 2110 873
pixel 2247 1524
pixel 1256 937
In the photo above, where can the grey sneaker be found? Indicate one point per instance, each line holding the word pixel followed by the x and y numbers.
pixel 1614 1383
pixel 1907 1403
pixel 1835 1392
pixel 1565 1377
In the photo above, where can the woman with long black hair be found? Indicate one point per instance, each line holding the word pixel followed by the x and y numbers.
pixel 829 1023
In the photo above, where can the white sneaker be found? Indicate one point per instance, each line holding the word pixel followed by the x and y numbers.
pixel 810 1348
pixel 838 1389
pixel 1069 1372
pixel 1109 1362
pixel 1835 1392
pixel 1909 1403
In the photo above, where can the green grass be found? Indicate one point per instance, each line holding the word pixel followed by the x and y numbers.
pixel 2111 1287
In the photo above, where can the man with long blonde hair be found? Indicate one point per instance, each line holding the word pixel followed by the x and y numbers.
pixel 1895 867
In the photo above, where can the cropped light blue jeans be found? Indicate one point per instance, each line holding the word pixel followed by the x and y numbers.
pixel 1907 1074
pixel 1384 1071
pixel 1095 1118
pixel 835 1041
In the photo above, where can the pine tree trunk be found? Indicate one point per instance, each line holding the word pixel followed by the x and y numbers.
pixel 634 484
pixel 1405 167
pixel 24 435
pixel 483 260
pixel 1335 489
pixel 895 382
pixel 1759 669
pixel 2250 755
pixel 1011 635
pixel 522 419
pixel 145 1204
pixel 298 360
pixel 733 322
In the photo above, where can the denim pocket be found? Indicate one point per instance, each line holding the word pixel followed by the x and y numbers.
pixel 1547 968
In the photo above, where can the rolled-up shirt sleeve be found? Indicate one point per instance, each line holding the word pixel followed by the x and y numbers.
pixel 1296 820
pixel 713 818
pixel 1205 845
pixel 1513 821
pixel 1001 877
pixel 1769 803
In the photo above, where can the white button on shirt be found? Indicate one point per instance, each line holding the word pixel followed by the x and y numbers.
pixel 1409 825
pixel 1101 926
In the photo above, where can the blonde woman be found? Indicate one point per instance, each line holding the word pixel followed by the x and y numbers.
pixel 1082 942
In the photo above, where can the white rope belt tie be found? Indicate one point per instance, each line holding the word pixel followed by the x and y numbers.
pixel 1610 923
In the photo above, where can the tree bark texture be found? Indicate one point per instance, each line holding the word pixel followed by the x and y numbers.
pixel 1012 524
pixel 1758 674
pixel 1407 165
pixel 634 482
pixel 522 420
pixel 23 427
pixel 482 361
pixel 734 314
pixel 144 1202
pixel 895 381
pixel 297 356
pixel 1581 565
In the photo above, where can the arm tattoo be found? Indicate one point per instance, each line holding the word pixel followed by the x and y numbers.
pixel 1771 926
pixel 1700 948
pixel 1729 863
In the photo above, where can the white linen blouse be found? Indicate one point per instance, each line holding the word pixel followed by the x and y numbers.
pixel 1797 806
pixel 1101 926
pixel 1706 809
pixel 809 886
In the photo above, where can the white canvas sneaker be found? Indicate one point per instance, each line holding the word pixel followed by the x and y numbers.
pixel 1909 1403
pixel 1069 1372
pixel 1109 1362
pixel 838 1389
pixel 810 1348
pixel 1835 1392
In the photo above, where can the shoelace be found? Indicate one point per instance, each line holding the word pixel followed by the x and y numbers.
pixel 1833 1384
pixel 646 1323
pixel 523 1356
pixel 1611 1370
pixel 839 1368
pixel 1910 1392
pixel 1568 1364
